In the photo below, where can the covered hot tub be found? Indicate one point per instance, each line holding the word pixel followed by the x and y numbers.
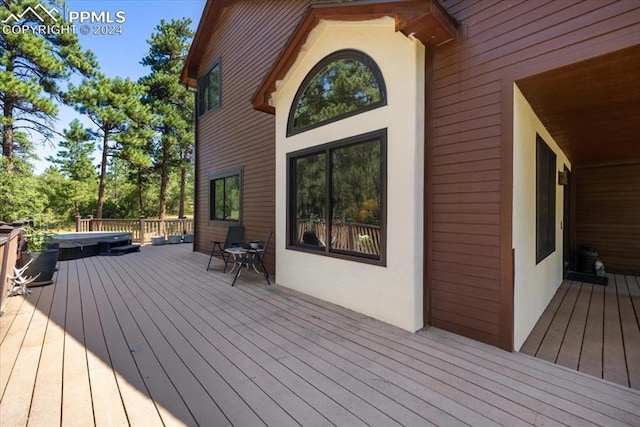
pixel 85 244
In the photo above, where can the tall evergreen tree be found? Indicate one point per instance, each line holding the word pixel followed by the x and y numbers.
pixel 74 156
pixel 76 164
pixel 19 189
pixel 171 103
pixel 32 65
pixel 122 121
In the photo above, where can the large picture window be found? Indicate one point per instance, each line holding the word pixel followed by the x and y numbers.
pixel 224 196
pixel 209 90
pixel 337 200
pixel 545 200
pixel 345 83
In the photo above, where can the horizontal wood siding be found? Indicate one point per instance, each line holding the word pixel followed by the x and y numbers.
pixel 608 214
pixel 498 43
pixel 248 39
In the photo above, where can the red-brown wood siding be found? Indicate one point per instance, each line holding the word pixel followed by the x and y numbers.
pixel 608 214
pixel 248 38
pixel 471 278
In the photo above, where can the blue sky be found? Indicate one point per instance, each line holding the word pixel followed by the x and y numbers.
pixel 120 54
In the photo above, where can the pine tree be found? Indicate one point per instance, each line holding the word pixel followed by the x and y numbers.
pixel 21 196
pixel 122 121
pixel 171 103
pixel 32 66
pixel 76 164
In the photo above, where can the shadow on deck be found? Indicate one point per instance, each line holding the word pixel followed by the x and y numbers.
pixel 151 338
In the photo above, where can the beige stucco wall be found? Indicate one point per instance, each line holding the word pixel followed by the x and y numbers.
pixel 534 285
pixel 393 293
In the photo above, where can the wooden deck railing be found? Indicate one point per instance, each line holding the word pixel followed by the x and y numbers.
pixel 142 229
pixel 8 256
pixel 350 236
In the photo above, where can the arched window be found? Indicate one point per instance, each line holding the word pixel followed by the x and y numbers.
pixel 343 84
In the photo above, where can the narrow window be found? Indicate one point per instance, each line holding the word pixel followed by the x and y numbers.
pixel 345 83
pixel 337 198
pixel 545 200
pixel 224 196
pixel 209 90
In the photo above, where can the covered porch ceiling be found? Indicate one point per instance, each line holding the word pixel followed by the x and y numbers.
pixel 591 108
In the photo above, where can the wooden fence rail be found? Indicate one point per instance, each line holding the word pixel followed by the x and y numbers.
pixel 142 229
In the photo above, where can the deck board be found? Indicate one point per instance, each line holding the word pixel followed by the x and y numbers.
pixel 332 389
pixel 535 338
pixel 108 407
pixel 10 308
pixel 46 402
pixel 571 347
pixel 77 405
pixel 554 337
pixel 130 355
pixel 161 341
pixel 630 329
pixel 600 331
pixel 613 362
pixel 201 358
pixel 591 353
pixel 487 393
pixel 261 366
pixel 16 333
pixel 152 343
pixel 24 370
pixel 139 408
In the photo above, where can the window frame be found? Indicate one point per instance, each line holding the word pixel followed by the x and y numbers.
pixel 546 192
pixel 328 148
pixel 335 56
pixel 216 176
pixel 203 84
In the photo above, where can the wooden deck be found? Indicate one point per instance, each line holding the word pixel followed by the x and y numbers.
pixel 593 329
pixel 151 338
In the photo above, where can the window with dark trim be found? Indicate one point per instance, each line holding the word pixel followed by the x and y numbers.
pixel 225 195
pixel 545 200
pixel 209 89
pixel 337 198
pixel 343 84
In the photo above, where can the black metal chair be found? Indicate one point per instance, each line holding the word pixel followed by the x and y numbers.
pixel 253 257
pixel 235 234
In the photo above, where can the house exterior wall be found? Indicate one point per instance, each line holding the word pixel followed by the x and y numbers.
pixel 247 39
pixel 534 283
pixel 392 293
pixel 470 253
pixel 608 214
pixel 469 176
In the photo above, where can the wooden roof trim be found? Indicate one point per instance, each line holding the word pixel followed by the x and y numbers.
pixel 426 20
pixel 208 21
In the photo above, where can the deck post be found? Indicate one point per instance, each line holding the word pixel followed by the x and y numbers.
pixel 78 223
pixel 9 257
pixel 90 218
pixel 142 229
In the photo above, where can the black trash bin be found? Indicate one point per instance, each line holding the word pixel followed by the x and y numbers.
pixel 587 256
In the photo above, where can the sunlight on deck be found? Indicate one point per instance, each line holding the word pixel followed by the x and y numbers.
pixel 152 338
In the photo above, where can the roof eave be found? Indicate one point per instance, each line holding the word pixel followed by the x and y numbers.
pixel 425 20
pixel 208 21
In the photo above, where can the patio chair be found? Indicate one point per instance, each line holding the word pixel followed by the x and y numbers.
pixel 234 237
pixel 253 257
